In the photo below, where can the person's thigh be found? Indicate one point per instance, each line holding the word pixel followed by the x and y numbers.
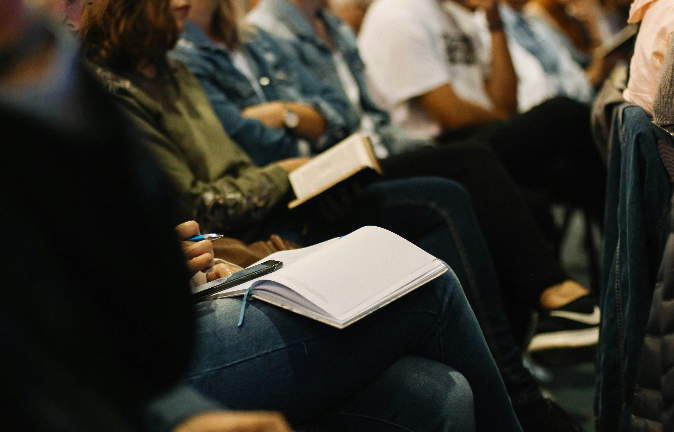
pixel 413 394
pixel 550 148
pixel 282 361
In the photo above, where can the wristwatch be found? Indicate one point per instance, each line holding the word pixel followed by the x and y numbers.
pixel 290 118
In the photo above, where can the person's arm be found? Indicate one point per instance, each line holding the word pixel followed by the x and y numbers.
pixel 300 85
pixel 262 143
pixel 451 112
pixel 426 79
pixel 238 199
pixel 502 83
pixel 235 421
pixel 311 123
pixel 183 409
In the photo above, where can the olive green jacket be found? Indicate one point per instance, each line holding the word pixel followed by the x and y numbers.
pixel 217 182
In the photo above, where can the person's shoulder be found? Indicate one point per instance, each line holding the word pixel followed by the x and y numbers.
pixel 398 15
pixel 111 81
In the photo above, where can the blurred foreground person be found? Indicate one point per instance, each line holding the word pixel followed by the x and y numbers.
pixel 86 319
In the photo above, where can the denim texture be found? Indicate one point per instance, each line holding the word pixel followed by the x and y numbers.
pixel 229 92
pixel 637 207
pixel 436 215
pixel 283 20
pixel 395 370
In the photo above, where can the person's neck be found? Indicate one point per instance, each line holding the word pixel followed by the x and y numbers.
pixel 201 15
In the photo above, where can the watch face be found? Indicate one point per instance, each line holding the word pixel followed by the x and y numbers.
pixel 291 119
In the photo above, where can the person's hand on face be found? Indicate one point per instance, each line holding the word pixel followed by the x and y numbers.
pixel 199 255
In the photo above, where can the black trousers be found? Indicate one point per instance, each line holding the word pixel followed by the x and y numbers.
pixel 547 149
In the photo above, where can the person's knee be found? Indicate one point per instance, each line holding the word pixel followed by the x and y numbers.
pixel 444 192
pixel 441 394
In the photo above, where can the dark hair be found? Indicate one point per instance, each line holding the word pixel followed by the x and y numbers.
pixel 121 34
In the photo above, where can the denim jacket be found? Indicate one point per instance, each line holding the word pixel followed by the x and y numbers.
pixel 636 229
pixel 285 21
pixel 280 78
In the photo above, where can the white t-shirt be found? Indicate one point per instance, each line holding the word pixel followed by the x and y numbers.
pixel 411 47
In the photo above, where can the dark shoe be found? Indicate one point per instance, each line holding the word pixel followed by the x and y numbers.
pixel 567 335
pixel 546 416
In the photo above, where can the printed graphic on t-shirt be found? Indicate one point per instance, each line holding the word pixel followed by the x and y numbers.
pixel 460 49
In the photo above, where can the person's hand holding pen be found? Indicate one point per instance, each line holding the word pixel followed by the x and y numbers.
pixel 199 252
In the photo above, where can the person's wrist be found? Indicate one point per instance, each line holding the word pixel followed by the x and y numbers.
pixel 290 118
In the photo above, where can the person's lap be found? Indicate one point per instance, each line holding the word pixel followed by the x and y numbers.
pixel 282 361
pixel 435 214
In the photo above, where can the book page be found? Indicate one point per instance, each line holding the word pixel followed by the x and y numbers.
pixel 354 270
pixel 331 166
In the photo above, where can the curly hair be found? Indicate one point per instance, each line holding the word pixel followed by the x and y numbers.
pixel 121 34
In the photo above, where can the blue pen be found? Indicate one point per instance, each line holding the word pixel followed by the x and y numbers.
pixel 211 237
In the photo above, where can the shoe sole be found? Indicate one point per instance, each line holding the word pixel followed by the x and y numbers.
pixel 565 348
pixel 565 357
pixel 565 339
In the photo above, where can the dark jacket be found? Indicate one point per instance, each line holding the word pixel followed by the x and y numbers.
pixel 653 403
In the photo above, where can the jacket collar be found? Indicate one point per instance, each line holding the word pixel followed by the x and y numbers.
pixel 198 38
pixel 290 16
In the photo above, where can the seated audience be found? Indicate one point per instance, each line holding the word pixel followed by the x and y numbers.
pixel 208 167
pixel 94 335
pixel 205 60
pixel 269 104
pixel 548 148
pixel 564 75
pixel 566 152
pixel 638 197
pixel 322 42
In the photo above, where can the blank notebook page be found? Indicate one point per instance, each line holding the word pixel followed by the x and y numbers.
pixel 352 270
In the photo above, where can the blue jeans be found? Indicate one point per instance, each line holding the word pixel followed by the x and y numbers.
pixel 436 214
pixel 636 228
pixel 418 364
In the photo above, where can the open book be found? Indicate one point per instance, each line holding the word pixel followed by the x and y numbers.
pixel 344 160
pixel 342 280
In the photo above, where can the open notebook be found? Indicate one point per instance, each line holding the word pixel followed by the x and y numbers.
pixel 342 280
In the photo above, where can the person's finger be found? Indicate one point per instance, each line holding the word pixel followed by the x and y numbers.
pixel 194 249
pixel 221 270
pixel 199 255
pixel 187 229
